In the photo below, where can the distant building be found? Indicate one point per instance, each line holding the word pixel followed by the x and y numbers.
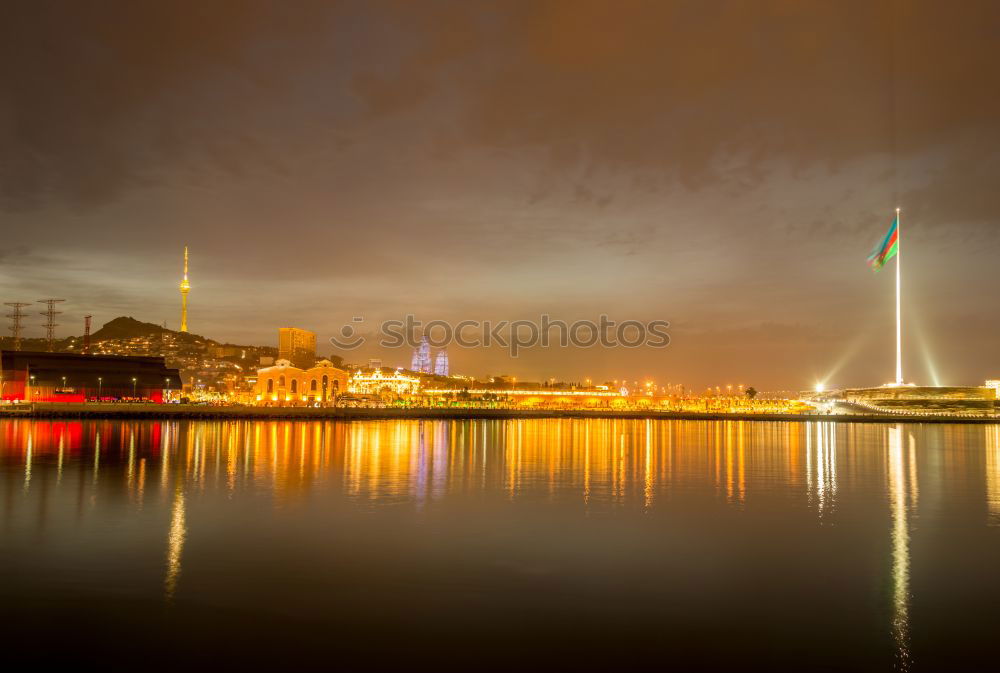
pixel 68 377
pixel 921 399
pixel 298 346
pixel 421 361
pixel 286 384
pixel 995 385
pixel 538 398
pixel 441 363
pixel 379 382
pixel 226 351
pixel 374 363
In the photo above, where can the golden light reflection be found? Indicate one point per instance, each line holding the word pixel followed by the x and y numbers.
pixel 993 474
pixel 97 456
pixel 605 463
pixel 595 465
pixel 140 490
pixel 647 467
pixel 59 459
pixel 601 463
pixel 166 446
pixel 903 491
pixel 175 544
pixel 130 470
pixel 29 453
pixel 821 465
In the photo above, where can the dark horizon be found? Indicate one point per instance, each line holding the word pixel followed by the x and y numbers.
pixel 723 166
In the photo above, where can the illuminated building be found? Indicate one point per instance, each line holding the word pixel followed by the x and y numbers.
pixel 441 363
pixel 995 385
pixel 421 361
pixel 68 377
pixel 227 351
pixel 379 382
pixel 921 399
pixel 185 288
pixel 298 346
pixel 286 384
pixel 539 397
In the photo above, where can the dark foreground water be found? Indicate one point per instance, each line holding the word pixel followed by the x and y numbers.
pixel 515 545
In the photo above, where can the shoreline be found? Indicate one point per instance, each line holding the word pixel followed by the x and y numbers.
pixel 199 412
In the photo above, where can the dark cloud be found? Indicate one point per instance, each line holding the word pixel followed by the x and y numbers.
pixel 89 89
pixel 672 86
pixel 97 96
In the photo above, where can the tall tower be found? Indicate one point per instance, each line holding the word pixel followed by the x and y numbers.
pixel 297 346
pixel 86 334
pixel 16 319
pixel 421 361
pixel 185 288
pixel 441 363
pixel 50 322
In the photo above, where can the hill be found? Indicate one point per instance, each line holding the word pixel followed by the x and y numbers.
pixel 114 337
pixel 127 327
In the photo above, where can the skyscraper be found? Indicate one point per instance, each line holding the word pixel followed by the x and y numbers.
pixel 185 288
pixel 441 363
pixel 298 346
pixel 421 361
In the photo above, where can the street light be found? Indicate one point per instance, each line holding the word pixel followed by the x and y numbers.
pixel 33 391
pixel 133 387
pixel 100 384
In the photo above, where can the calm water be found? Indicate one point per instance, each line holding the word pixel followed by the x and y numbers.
pixel 518 545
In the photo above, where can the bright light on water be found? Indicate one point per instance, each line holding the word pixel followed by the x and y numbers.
pixel 502 544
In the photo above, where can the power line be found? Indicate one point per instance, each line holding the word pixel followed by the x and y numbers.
pixel 16 319
pixel 50 323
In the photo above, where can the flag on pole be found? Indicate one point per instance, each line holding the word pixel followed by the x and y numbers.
pixel 887 249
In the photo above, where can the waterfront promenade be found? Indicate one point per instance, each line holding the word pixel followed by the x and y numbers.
pixel 194 411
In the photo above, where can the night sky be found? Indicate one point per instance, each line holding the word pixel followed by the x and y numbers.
pixel 724 166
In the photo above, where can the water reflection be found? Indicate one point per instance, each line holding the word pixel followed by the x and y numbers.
pixel 605 463
pixel 993 474
pixel 903 493
pixel 821 465
pixel 175 543
pixel 28 455
pixel 804 474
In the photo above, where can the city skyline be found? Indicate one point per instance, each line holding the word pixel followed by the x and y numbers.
pixel 585 335
pixel 366 146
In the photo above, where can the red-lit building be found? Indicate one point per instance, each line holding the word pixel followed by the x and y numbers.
pixel 67 377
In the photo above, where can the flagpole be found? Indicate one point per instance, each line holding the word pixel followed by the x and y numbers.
pixel 899 324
